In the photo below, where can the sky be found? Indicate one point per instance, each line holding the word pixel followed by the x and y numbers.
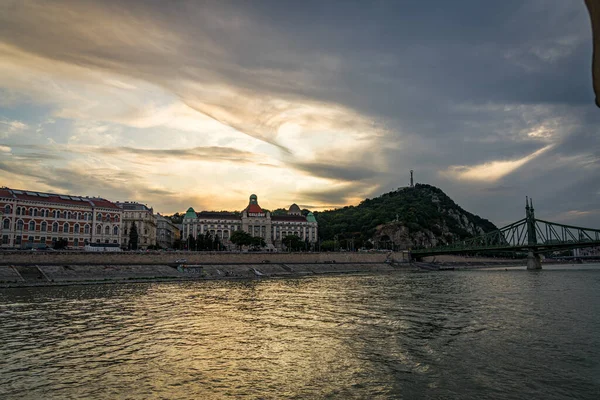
pixel 319 103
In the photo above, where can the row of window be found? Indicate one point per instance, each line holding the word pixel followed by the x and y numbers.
pixel 56 227
pixel 76 242
pixel 85 216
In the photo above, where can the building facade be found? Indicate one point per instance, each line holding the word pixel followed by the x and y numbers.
pixel 33 219
pixel 253 220
pixel 145 221
pixel 166 232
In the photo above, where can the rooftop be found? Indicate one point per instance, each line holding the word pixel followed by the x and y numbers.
pixel 64 199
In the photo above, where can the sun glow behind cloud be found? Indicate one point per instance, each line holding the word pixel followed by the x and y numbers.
pixel 491 171
pixel 117 120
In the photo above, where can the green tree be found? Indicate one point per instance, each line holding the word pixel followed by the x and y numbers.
pixel 190 242
pixel 241 238
pixel 177 245
pixel 258 242
pixel 133 237
pixel 61 244
pixel 292 242
pixel 327 245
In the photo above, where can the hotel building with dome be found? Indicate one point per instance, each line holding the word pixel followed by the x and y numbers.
pixel 254 220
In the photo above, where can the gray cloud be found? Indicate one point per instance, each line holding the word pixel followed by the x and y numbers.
pixel 454 83
pixel 343 172
pixel 195 153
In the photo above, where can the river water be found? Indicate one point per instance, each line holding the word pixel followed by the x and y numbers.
pixel 505 334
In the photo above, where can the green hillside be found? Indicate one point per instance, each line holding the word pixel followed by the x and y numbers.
pixel 421 209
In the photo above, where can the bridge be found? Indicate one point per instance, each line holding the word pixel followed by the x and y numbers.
pixel 531 235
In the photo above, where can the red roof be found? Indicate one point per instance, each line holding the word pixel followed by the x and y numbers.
pixel 30 195
pixel 254 208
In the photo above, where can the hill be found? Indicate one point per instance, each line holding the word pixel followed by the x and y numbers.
pixel 408 217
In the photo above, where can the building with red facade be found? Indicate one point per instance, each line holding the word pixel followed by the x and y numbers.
pixel 36 219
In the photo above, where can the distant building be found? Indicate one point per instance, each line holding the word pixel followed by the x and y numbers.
pixel 255 221
pixel 144 220
pixel 166 232
pixel 39 219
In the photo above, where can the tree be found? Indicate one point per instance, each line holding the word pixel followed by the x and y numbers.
pixel 177 245
pixel 327 245
pixel 133 237
pixel 241 238
pixel 190 242
pixel 61 244
pixel 292 242
pixel 258 242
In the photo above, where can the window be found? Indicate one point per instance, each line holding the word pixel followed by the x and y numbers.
pixel 76 228
pixel 98 230
pixel 54 214
pixel 86 229
pixel 46 213
pixel 76 242
pixel 32 225
pixel 55 227
pixel 66 228
pixel 107 230
pixel 31 212
pixel 68 215
pixel 43 239
pixel 7 209
pixel 116 230
pixel 20 225
pixel 18 210
pixel 6 224
pixel 44 226
pixel 99 217
pixel 18 240
pixel 5 239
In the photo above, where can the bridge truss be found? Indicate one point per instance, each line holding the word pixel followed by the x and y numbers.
pixel 527 234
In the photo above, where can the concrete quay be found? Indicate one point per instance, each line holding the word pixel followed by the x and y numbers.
pixel 164 258
pixel 65 268
pixel 51 275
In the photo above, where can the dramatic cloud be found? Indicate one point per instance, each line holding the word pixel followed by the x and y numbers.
pixel 491 171
pixel 320 103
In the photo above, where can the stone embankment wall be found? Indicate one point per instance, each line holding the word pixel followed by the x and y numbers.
pixel 44 275
pixel 158 258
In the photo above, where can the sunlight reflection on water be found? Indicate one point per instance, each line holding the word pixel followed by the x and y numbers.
pixel 467 334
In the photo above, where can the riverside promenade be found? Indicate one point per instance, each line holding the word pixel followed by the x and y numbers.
pixel 24 268
pixel 21 268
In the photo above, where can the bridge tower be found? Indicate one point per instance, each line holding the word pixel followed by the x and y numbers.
pixel 533 258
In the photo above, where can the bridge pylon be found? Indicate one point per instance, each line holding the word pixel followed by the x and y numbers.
pixel 534 260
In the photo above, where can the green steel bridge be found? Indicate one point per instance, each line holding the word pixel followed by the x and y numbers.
pixel 531 235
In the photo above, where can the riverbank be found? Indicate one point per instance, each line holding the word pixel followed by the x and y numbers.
pixel 52 275
pixel 72 268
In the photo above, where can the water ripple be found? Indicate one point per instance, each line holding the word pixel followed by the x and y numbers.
pixel 495 334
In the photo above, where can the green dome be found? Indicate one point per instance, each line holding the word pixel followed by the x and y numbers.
pixel 310 217
pixel 253 199
pixel 190 213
